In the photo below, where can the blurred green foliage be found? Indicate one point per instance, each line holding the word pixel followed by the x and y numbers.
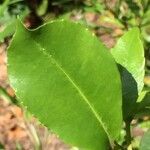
pixel 1 147
pixel 8 14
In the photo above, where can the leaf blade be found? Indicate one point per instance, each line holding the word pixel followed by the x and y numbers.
pixel 78 59
pixel 129 54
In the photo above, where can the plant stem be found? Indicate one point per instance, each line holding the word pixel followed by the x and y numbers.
pixel 128 137
pixel 117 146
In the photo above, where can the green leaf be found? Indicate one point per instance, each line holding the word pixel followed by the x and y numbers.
pixel 4 95
pixel 9 24
pixel 15 1
pixel 145 144
pixel 8 30
pixel 129 54
pixel 130 94
pixel 3 7
pixel 69 80
pixel 146 32
pixel 143 104
pixel 41 10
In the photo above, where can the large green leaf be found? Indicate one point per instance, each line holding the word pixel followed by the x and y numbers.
pixel 67 79
pixel 129 54
pixel 145 142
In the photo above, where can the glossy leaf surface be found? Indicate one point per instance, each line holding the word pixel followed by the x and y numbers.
pixel 67 79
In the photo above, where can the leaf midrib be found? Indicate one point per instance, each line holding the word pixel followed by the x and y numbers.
pixel 43 50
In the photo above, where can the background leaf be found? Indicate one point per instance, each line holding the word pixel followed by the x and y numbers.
pixel 9 17
pixel 8 30
pixel 129 54
pixel 59 72
pixel 3 6
pixel 143 105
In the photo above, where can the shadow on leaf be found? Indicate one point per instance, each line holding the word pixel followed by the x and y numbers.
pixel 129 92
